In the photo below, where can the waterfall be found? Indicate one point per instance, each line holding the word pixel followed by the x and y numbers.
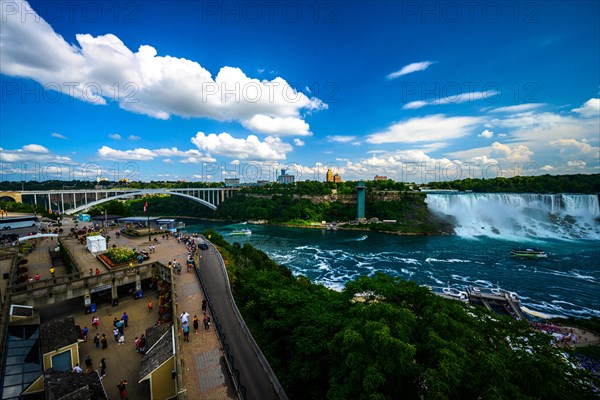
pixel 520 215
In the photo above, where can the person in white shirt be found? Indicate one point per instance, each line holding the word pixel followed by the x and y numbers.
pixel 184 317
pixel 77 368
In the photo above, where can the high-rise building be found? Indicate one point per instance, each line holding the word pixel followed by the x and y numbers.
pixel 329 176
pixel 285 178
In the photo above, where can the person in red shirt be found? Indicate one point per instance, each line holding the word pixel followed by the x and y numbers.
pixel 37 277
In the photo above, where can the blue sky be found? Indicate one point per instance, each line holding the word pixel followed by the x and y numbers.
pixel 203 90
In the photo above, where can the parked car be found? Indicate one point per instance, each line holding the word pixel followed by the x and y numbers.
pixel 203 246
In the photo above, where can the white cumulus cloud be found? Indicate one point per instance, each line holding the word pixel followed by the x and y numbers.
pixel 251 148
pixel 486 134
pixel 590 108
pixel 155 85
pixel 518 153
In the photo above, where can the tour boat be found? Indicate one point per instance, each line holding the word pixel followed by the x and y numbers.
pixel 528 253
pixel 448 292
pixel 243 231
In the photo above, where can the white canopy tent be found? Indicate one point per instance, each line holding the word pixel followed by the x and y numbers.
pixel 96 244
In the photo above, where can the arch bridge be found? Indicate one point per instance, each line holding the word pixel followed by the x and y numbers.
pixel 74 201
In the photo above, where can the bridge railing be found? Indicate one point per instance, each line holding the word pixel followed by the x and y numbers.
pixel 264 363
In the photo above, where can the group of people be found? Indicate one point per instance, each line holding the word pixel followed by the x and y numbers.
pixel 140 344
pixel 89 366
pixel 185 325
pixel 119 331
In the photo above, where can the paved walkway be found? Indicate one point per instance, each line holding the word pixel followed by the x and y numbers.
pixel 205 374
pixel 252 374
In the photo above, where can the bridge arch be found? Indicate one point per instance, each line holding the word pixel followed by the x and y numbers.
pixel 139 193
pixel 11 196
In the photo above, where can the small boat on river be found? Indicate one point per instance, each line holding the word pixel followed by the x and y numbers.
pixel 448 292
pixel 528 253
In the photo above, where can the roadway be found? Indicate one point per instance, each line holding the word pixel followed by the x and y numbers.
pixel 252 374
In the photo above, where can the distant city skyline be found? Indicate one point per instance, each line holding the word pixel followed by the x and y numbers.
pixel 212 90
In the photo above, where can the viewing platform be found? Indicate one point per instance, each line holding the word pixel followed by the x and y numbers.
pixel 496 299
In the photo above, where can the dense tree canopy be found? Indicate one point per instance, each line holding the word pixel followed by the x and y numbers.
pixel 527 184
pixel 398 341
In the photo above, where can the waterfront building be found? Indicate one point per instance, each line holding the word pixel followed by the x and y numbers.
pixel 329 176
pixel 232 182
pixel 285 178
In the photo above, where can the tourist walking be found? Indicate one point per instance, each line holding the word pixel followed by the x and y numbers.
pixel 84 333
pixel 95 322
pixel 204 305
pixel 102 367
pixel 97 341
pixel 104 342
pixel 184 317
pixel 121 339
pixel 119 325
pixel 142 344
pixel 186 332
pixel 149 306
pixel 125 319
pixel 122 388
pixel 196 323
pixel 206 321
pixel 116 334
pixel 89 366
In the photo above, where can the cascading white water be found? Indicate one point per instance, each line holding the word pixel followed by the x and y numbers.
pixel 520 215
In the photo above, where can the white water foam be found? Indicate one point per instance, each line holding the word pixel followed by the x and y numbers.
pixel 517 216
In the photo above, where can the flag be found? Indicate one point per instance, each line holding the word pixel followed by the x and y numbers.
pixel 146 207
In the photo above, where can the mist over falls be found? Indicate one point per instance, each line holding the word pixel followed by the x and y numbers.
pixel 516 216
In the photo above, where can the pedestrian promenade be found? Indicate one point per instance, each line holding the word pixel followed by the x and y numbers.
pixel 204 374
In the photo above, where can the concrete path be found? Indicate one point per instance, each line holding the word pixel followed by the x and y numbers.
pixel 252 374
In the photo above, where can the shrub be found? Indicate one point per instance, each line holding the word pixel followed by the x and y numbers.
pixel 22 270
pixel 120 254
